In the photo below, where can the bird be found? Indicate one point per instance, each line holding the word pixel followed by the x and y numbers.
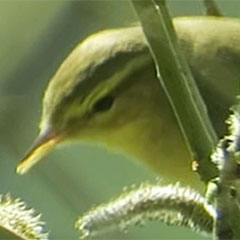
pixel 106 91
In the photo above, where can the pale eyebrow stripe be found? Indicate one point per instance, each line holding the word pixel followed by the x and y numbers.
pixel 128 62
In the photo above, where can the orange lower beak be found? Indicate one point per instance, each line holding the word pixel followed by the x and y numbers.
pixel 42 145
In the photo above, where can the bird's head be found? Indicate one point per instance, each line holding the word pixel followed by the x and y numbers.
pixel 95 90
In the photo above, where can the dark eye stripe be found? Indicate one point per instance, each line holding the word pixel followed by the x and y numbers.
pixel 103 104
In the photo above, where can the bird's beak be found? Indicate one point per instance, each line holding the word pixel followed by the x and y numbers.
pixel 44 143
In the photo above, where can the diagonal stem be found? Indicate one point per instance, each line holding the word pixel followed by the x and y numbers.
pixel 178 83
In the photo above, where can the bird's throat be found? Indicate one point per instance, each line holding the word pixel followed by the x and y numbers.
pixel 156 141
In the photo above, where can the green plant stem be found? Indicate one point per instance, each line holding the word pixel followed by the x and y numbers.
pixel 178 83
pixel 227 193
pixel 226 225
pixel 212 8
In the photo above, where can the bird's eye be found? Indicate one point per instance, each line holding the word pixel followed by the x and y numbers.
pixel 103 104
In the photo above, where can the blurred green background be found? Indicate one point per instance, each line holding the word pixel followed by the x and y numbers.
pixel 35 36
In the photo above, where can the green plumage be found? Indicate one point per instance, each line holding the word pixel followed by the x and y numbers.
pixel 116 65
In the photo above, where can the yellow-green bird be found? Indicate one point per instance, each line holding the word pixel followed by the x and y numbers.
pixel 107 91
